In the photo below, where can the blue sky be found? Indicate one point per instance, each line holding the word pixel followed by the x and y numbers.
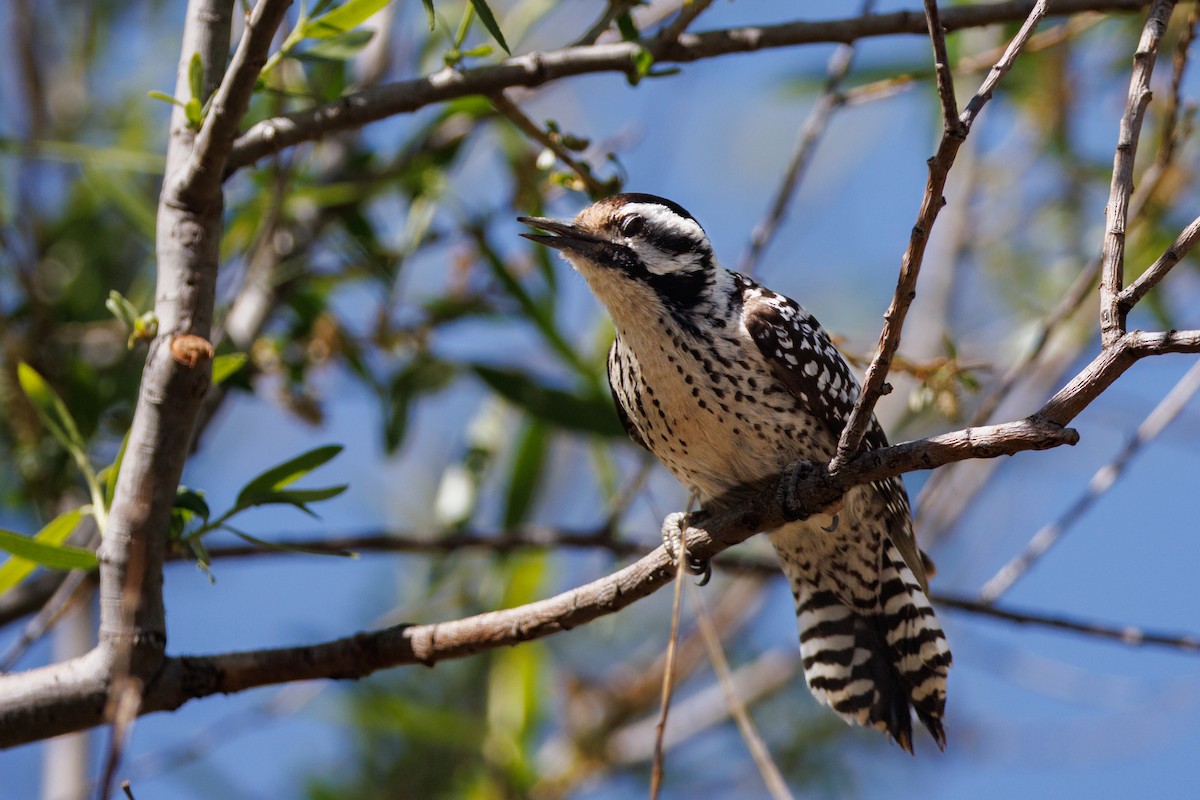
pixel 1031 712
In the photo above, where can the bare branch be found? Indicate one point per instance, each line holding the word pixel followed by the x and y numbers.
pixel 1162 416
pixel 818 119
pixel 953 136
pixel 771 775
pixel 1108 365
pixel 202 175
pixel 1112 317
pixel 595 187
pixel 668 680
pixel 1130 635
pixel 534 69
pixel 1182 245
pixel 941 68
pixel 686 16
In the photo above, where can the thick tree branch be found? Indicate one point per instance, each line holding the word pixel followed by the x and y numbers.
pixel 202 174
pixel 1112 272
pixel 534 69
pixel 954 133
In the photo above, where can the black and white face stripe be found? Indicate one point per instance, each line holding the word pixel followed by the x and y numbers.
pixel 666 248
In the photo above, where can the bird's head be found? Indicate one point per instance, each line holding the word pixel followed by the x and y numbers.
pixel 635 247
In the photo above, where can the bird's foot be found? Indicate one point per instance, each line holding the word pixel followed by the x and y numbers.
pixel 672 534
pixel 791 505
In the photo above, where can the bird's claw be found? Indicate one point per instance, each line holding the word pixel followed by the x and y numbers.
pixel 672 534
pixel 790 504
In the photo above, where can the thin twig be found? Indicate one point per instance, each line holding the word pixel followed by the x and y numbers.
pixel 62 599
pixel 893 85
pixel 688 11
pixel 668 681
pixel 1130 635
pixel 1112 270
pixel 771 775
pixel 810 133
pixel 595 188
pixel 931 203
pixel 1182 245
pixel 1154 424
pixel 765 567
pixel 941 68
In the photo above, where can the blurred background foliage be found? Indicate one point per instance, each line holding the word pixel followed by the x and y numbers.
pixel 379 268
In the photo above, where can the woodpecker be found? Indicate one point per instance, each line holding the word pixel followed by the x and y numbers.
pixel 728 383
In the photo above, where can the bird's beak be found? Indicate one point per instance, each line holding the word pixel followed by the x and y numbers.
pixel 568 236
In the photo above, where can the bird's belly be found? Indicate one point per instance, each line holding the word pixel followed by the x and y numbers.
pixel 715 442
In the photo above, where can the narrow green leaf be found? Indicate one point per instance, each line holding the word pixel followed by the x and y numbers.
pixel 50 409
pixel 166 98
pixel 346 17
pixel 121 308
pixel 196 78
pixel 113 471
pixel 526 473
pixel 57 557
pixel 289 548
pixel 489 21
pixel 194 113
pixel 226 365
pixel 298 498
pixel 342 47
pixel 46 548
pixel 581 413
pixel 430 14
pixel 285 474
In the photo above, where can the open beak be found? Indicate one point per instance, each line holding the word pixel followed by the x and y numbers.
pixel 567 236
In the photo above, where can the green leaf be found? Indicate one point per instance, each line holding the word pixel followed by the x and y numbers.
pixel 45 548
pixel 226 365
pixel 196 78
pixel 430 15
pixel 121 308
pixel 113 471
pixel 50 409
pixel 627 27
pixel 342 47
pixel 590 414
pixel 643 61
pixel 489 22
pixel 423 375
pixel 346 17
pixel 166 98
pixel 194 113
pixel 192 500
pixel 270 482
pixel 526 474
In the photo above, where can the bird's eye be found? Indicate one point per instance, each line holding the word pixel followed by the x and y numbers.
pixel 632 225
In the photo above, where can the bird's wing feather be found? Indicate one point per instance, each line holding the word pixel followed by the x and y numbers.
pixel 614 367
pixel 804 360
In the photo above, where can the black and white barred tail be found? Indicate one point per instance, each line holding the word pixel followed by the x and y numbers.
pixel 871 665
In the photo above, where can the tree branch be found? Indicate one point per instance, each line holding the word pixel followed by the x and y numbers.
pixel 1158 419
pixel 954 133
pixel 534 69
pixel 1182 245
pixel 1112 316
pixel 202 173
